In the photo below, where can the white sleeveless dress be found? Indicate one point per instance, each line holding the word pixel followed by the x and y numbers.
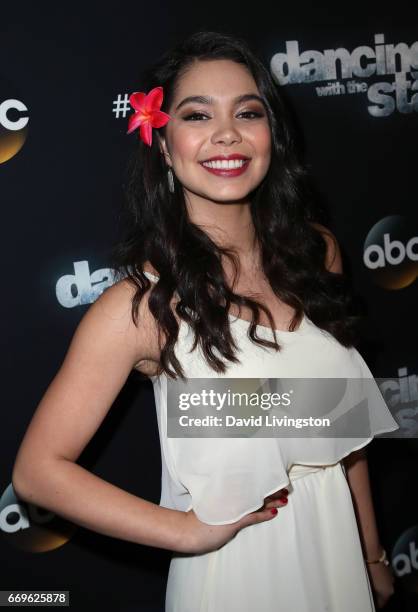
pixel 307 558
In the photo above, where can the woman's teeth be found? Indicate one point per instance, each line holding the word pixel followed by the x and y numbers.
pixel 225 163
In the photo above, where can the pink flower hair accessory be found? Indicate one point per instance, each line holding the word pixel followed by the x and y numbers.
pixel 147 113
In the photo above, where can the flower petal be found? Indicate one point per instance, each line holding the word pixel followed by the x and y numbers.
pixel 137 100
pixel 134 121
pixel 145 131
pixel 154 99
pixel 159 118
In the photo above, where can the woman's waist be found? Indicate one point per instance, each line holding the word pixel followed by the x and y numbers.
pixel 298 470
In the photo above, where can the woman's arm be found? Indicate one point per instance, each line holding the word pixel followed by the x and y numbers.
pixel 358 479
pixel 103 351
pixel 356 462
pixel 105 348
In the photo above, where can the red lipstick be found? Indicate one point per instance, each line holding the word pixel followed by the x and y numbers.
pixel 227 172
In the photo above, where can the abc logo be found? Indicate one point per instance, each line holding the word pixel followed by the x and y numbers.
pixel 391 253
pixel 405 558
pixel 31 528
pixel 13 121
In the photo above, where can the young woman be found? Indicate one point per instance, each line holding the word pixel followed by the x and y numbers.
pixel 224 273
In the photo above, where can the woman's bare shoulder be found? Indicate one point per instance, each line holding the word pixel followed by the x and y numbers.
pixel 116 302
pixel 333 259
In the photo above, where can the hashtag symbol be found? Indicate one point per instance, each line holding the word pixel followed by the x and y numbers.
pixel 121 106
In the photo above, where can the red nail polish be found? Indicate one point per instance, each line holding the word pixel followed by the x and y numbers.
pixel 284 500
pixel 274 511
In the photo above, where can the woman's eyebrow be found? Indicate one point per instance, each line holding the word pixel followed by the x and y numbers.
pixel 209 99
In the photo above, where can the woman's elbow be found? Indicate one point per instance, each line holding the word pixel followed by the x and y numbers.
pixel 25 476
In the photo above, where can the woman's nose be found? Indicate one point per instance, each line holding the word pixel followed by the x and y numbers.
pixel 226 134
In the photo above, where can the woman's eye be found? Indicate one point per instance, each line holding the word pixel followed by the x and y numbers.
pixel 192 116
pixel 256 114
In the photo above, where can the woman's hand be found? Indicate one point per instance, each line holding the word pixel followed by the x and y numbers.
pixel 199 537
pixel 382 580
pixel 271 500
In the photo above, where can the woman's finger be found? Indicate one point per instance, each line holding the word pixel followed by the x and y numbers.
pixel 258 516
pixel 278 494
pixel 274 500
pixel 277 502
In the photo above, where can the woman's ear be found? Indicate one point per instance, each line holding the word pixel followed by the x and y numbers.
pixel 164 150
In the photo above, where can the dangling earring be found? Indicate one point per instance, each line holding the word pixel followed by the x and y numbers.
pixel 170 180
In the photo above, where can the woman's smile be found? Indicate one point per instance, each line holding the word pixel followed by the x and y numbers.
pixel 226 168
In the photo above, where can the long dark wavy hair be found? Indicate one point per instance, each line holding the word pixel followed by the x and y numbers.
pixel 157 230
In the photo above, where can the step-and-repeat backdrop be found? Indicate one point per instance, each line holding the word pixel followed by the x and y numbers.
pixel 64 84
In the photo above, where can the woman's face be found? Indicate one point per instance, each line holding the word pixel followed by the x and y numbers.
pixel 218 124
